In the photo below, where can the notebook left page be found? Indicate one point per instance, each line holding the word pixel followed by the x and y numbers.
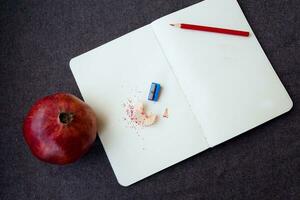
pixel 112 79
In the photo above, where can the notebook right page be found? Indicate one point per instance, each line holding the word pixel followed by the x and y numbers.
pixel 228 80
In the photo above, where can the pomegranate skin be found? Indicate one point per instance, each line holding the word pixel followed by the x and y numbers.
pixel 60 128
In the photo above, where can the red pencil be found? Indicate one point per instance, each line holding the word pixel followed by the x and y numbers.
pixel 211 29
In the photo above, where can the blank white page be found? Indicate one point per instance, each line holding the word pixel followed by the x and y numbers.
pixel 227 79
pixel 122 70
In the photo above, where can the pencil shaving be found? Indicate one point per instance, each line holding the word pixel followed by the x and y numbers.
pixel 142 117
pixel 166 113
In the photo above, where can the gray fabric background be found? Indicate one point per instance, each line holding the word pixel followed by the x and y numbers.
pixel 38 38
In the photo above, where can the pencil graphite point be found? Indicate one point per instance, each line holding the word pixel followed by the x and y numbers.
pixel 175 25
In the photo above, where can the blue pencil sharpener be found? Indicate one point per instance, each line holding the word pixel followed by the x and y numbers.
pixel 154 92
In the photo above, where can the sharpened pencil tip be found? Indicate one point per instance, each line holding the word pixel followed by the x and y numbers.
pixel 172 24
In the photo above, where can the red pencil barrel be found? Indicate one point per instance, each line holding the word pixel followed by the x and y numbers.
pixel 214 29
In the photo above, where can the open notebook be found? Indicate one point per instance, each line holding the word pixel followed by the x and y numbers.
pixel 215 86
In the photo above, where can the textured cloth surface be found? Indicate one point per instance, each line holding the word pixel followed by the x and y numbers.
pixel 38 38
